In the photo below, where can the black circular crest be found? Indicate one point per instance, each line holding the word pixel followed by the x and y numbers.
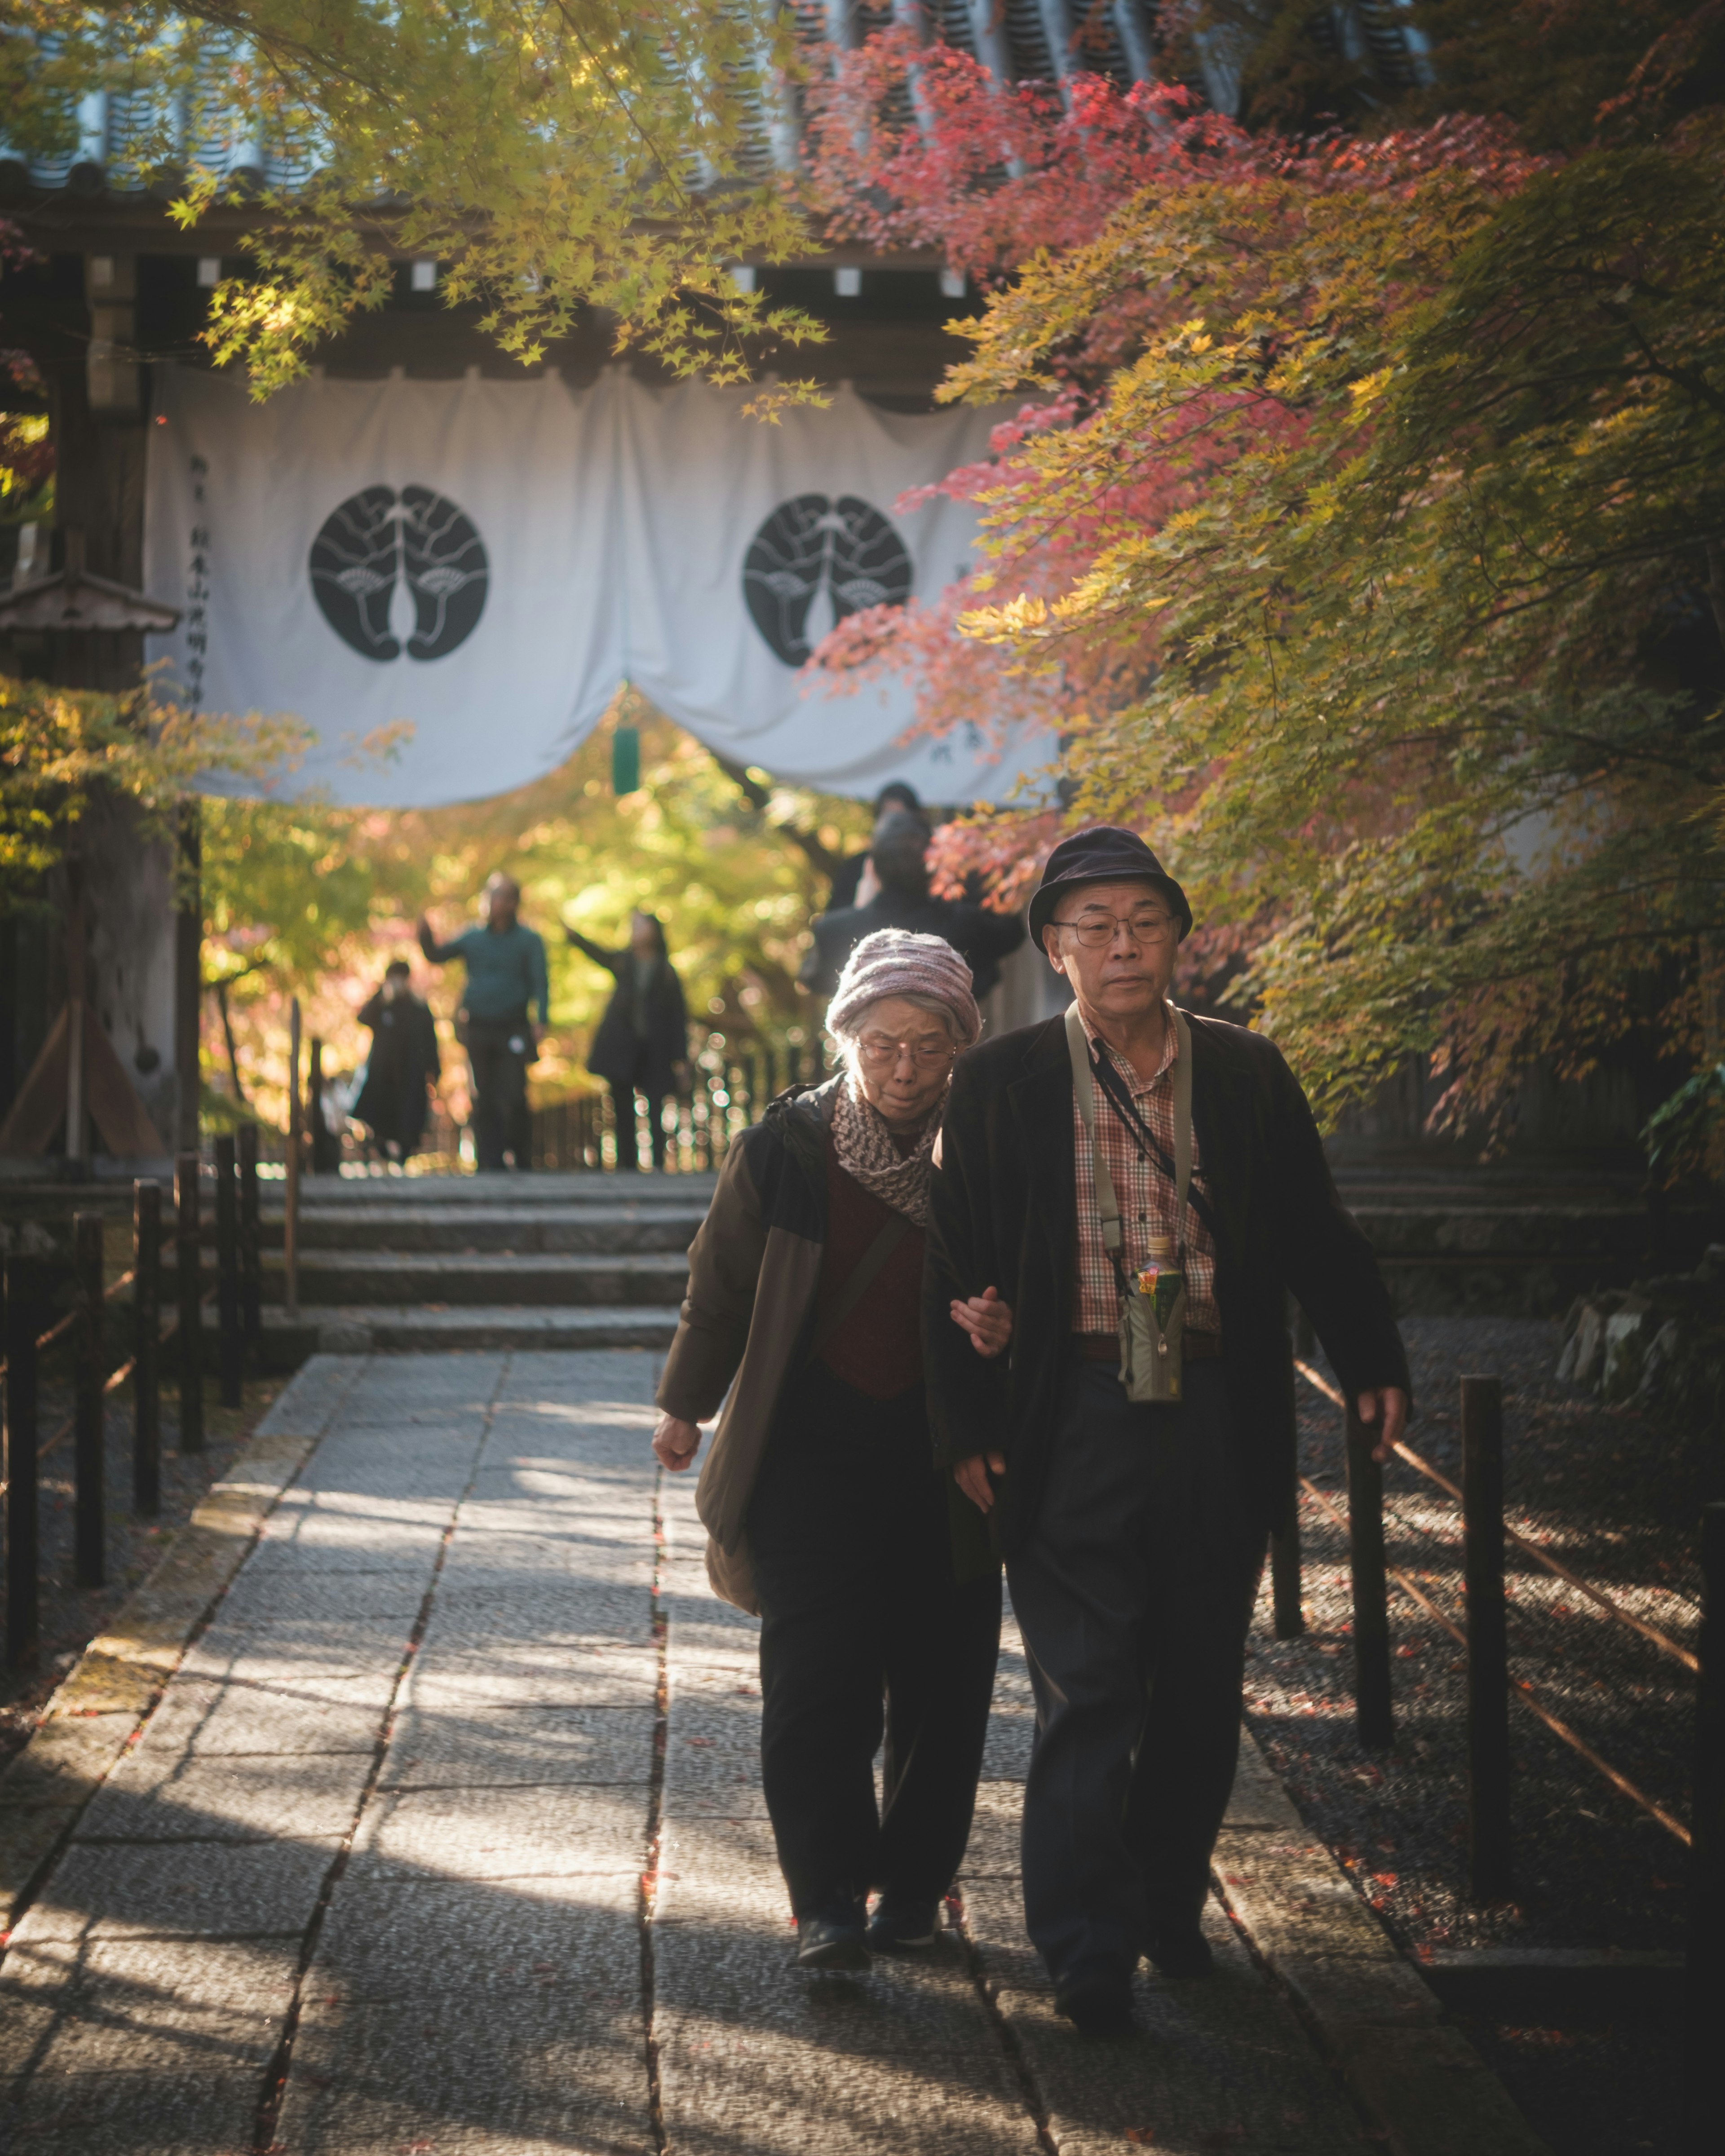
pixel 846 546
pixel 374 539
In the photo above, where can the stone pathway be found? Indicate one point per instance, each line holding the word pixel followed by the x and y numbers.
pixel 447 1838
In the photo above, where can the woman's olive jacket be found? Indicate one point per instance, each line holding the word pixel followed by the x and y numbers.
pixel 746 1322
pixel 749 1312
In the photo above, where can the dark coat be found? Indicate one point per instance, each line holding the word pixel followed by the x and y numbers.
pixel 403 1062
pixel 981 938
pixel 746 1320
pixel 639 1047
pixel 1004 1215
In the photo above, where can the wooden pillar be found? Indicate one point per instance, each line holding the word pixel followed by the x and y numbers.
pixel 188 974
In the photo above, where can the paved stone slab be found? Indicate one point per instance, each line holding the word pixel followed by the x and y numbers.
pixel 494 1748
pixel 112 2006
pixel 562 2071
pixel 598 1673
pixel 204 1716
pixel 756 2096
pixel 155 1795
pixel 194 1889
pixel 265 1600
pixel 483 1832
pixel 484 1944
pixel 312 1398
pixel 153 2110
pixel 291 1650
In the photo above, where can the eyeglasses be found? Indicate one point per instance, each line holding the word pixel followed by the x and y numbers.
pixel 1147 925
pixel 877 1053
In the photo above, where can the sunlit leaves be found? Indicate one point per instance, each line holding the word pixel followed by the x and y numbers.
pixel 554 156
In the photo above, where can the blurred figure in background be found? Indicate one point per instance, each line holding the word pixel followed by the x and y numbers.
pixel 642 1046
pixel 404 1064
pixel 856 881
pixel 898 858
pixel 506 980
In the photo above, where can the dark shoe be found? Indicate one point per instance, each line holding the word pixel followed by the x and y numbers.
pixel 1181 1950
pixel 832 1939
pixel 1100 2007
pixel 897 1925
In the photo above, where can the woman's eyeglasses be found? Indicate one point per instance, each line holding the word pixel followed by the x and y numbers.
pixel 877 1053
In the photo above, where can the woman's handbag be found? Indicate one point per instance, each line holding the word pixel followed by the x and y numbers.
pixel 1149 1349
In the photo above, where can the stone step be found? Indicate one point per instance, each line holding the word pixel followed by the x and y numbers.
pixel 363 1329
pixel 319 1193
pixel 622 1229
pixel 415 1279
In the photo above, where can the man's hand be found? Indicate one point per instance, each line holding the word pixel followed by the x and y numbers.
pixel 972 1477
pixel 987 1319
pixel 1388 1407
pixel 675 1443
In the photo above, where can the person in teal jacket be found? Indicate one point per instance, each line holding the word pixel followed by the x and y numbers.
pixel 507 983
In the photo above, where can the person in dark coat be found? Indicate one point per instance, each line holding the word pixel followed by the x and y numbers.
pixel 982 938
pixel 1134 1532
pixel 847 879
pixel 402 1064
pixel 879 1599
pixel 642 1046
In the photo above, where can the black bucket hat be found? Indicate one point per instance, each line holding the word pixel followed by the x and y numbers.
pixel 1105 853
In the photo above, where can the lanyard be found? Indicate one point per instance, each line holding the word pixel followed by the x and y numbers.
pixel 1084 1073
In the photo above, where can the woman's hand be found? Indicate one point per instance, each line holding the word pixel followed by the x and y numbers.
pixel 987 1319
pixel 675 1443
pixel 972 1477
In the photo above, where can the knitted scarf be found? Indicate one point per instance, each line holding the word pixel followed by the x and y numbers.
pixel 863 1141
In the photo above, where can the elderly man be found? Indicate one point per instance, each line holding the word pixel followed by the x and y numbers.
pixel 505 981
pixel 1134 1529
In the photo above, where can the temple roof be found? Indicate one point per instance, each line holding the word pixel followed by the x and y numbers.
pixel 1017 40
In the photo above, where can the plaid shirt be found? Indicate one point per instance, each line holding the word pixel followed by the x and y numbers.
pixel 1144 1194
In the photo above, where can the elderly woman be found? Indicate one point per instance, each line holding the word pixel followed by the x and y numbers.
pixel 824 1510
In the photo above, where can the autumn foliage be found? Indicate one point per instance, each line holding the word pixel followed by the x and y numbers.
pixel 1361 539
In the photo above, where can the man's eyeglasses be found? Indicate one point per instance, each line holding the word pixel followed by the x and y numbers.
pixel 879 1054
pixel 1147 925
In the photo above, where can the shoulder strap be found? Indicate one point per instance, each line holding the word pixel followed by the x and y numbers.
pixel 862 1277
pixel 1084 1085
pixel 1078 1045
pixel 1183 1112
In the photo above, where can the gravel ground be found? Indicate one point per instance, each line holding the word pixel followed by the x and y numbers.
pixel 72 1616
pixel 1617 1499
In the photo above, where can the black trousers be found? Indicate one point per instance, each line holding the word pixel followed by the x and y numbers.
pixel 623 1101
pixel 1133 1596
pixel 865 1632
pixel 499 1092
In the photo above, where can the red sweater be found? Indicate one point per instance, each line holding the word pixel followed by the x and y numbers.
pixel 878 1349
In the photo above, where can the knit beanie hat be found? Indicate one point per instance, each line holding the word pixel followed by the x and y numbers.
pixel 896 961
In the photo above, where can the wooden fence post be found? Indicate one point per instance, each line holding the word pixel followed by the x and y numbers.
pixel 24 1548
pixel 251 1257
pixel 1488 1841
pixel 189 1255
pixel 146 1347
pixel 89 1535
pixel 232 1349
pixel 290 1208
pixel 1370 1588
pixel 1705 1996
pixel 1289 1616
